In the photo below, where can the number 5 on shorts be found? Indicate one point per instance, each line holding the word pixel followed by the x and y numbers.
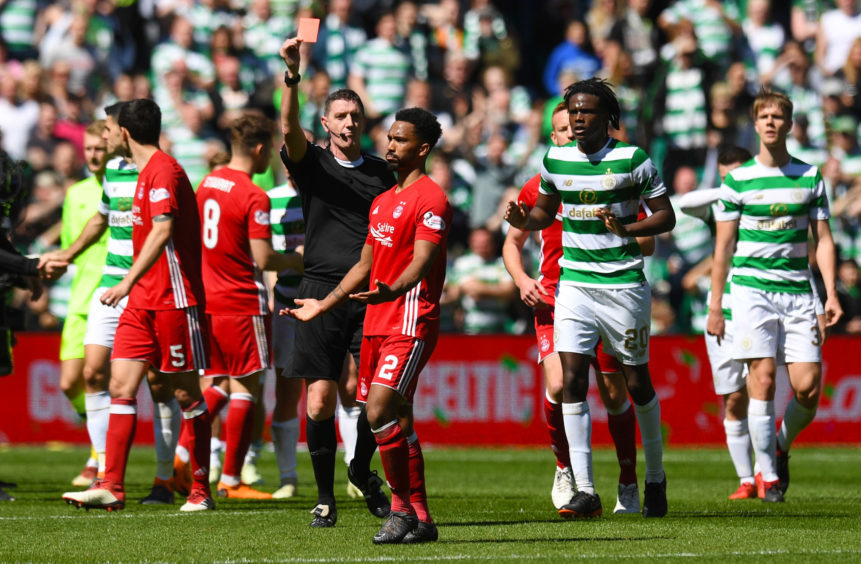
pixel 177 357
pixel 389 364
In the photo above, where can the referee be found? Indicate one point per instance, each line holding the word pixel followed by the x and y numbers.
pixel 337 185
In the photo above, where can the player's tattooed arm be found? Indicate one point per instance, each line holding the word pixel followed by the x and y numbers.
pixel 162 218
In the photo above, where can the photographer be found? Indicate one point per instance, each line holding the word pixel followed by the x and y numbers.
pixel 16 269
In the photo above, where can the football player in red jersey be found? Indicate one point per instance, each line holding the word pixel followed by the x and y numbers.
pixel 237 245
pixel 404 258
pixel 162 324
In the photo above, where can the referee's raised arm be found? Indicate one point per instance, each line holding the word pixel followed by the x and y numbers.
pixel 294 139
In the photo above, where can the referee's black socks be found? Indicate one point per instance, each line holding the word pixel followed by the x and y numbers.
pixel 323 446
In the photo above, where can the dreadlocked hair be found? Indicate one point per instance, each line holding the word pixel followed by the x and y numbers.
pixel 603 91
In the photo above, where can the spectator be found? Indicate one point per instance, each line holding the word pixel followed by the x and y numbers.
pixel 337 43
pixel 600 20
pixel 714 23
pixel 637 35
pixel 179 48
pixel 849 294
pixel 264 34
pixel 851 76
pixel 493 177
pixel 18 116
pixel 764 36
pixel 380 71
pixel 838 29
pixel 484 287
pixel 570 56
pixel 412 38
pixel 42 140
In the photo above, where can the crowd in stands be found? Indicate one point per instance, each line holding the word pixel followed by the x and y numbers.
pixel 685 71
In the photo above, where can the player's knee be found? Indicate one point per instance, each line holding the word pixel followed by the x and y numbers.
pixel 808 395
pixel 95 377
pixel 320 408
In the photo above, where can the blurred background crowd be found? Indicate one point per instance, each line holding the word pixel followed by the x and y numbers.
pixel 685 71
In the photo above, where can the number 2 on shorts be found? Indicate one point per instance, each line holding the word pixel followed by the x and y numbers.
pixel 389 364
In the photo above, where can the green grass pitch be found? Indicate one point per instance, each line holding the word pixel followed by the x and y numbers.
pixel 490 505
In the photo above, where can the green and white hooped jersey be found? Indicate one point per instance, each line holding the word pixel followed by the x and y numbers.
pixel 618 176
pixel 121 178
pixel 288 232
pixel 774 207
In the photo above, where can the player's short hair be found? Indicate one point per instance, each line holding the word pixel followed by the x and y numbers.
pixel 218 159
pixel 114 109
pixel 733 154
pixel 97 127
pixel 560 107
pixel 425 123
pixel 250 130
pixel 343 94
pixel 142 119
pixel 767 97
pixel 603 91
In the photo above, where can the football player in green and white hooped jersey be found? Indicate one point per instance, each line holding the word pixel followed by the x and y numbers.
pixel 115 214
pixel 602 290
pixel 767 206
pixel 288 233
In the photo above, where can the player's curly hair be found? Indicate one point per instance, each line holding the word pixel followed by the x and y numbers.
pixel 603 91
pixel 427 126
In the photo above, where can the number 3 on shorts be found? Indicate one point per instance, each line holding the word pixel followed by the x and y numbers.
pixel 389 364
pixel 177 357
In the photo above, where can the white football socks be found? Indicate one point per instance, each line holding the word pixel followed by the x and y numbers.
pixel 578 430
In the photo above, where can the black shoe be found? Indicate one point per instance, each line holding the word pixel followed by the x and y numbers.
pixel 782 463
pixel 395 528
pixel 324 516
pixel 655 499
pixel 158 495
pixel 376 500
pixel 582 505
pixel 424 532
pixel 4 496
pixel 773 494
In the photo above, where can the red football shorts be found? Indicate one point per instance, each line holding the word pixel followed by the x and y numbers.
pixel 393 361
pixel 171 340
pixel 239 344
pixel 602 362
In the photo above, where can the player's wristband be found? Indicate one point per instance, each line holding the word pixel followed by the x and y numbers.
pixel 291 81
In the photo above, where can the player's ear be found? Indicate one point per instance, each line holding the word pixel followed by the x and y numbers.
pixel 424 149
pixel 324 121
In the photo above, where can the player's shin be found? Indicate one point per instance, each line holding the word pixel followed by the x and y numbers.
pixel 395 455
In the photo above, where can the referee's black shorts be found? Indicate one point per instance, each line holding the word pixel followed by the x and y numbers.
pixel 322 343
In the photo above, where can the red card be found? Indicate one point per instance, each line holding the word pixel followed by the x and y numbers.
pixel 308 28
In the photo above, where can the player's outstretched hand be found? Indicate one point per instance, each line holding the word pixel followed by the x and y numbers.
pixel 290 53
pixel 113 296
pixel 50 267
pixel 308 309
pixel 715 324
pixel 382 293
pixel 611 222
pixel 516 214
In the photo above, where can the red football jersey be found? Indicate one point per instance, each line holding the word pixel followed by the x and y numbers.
pixel 551 239
pixel 232 211
pixel 173 282
pixel 397 220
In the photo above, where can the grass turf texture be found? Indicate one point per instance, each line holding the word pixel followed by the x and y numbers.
pixel 490 505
